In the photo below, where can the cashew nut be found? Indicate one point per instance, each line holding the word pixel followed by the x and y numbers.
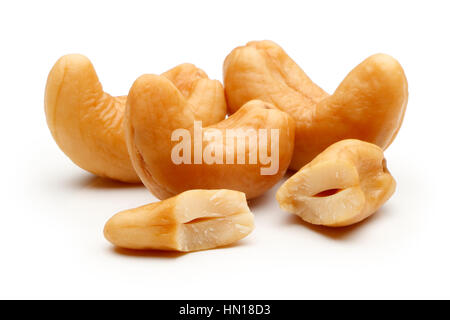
pixel 368 105
pixel 193 220
pixel 156 110
pixel 86 122
pixel 343 185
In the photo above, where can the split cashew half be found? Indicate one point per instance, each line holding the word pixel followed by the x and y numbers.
pixel 193 220
pixel 87 123
pixel 343 185
pixel 368 105
pixel 159 118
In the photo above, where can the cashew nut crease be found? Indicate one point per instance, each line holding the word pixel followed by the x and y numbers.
pixel 343 185
pixel 193 220
pixel 156 109
pixel 87 123
pixel 368 105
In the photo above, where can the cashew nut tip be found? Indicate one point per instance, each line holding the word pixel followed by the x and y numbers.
pixel 191 221
pixel 87 123
pixel 368 105
pixel 343 185
pixel 159 119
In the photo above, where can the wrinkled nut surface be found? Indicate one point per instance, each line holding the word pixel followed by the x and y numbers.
pixel 368 105
pixel 87 123
pixel 156 108
pixel 193 220
pixel 343 185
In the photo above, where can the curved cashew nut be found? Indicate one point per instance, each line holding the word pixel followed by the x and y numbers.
pixel 156 109
pixel 368 105
pixel 193 220
pixel 343 185
pixel 87 123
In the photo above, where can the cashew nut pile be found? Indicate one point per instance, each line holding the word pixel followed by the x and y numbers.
pixel 278 120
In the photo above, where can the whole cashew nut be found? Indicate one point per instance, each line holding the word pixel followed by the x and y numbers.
pixel 343 185
pixel 368 105
pixel 156 109
pixel 87 123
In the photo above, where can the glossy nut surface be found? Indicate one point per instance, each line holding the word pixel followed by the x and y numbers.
pixel 193 220
pixel 156 109
pixel 87 123
pixel 368 105
pixel 343 185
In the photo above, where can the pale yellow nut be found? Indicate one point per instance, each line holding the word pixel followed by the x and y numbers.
pixel 343 185
pixel 368 105
pixel 87 123
pixel 156 109
pixel 193 220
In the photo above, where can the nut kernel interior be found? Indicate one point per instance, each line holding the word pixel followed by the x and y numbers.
pixel 193 220
pixel 343 185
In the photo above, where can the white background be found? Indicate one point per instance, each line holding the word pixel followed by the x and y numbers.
pixel 52 213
